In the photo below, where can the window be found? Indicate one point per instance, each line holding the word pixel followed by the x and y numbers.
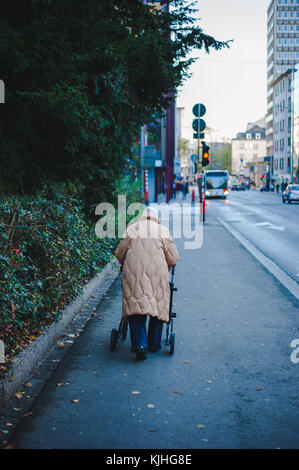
pixel 289 124
pixel 285 2
pixel 285 15
pixel 279 15
pixel 291 28
pixel 282 125
pixel 291 41
pixel 279 2
pixel 281 163
pixel 291 55
pixel 291 2
pixel 279 69
pixel 257 136
pixel 285 42
pixel 281 147
pixel 291 15
pixel 248 136
pixel 285 28
pixel 276 163
pixel 285 56
pixel 279 55
pixel 297 55
pixel 297 14
pixel 276 145
pixel 279 42
pixel 279 28
pixel 297 41
pixel 255 156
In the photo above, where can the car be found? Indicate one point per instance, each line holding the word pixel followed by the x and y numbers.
pixel 235 187
pixel 291 193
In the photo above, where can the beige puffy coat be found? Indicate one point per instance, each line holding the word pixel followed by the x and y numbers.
pixel 147 251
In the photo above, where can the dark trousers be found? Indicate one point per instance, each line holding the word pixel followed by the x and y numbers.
pixel 150 341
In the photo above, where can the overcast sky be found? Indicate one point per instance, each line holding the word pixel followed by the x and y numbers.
pixel 231 82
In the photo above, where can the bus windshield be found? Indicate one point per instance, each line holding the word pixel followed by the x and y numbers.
pixel 217 180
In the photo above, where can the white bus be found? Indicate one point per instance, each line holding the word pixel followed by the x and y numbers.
pixel 217 183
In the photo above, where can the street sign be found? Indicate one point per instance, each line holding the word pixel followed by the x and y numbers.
pixel 199 110
pixel 198 125
pixel 194 157
pixel 198 136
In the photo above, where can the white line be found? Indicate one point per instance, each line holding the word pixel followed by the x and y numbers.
pixel 272 267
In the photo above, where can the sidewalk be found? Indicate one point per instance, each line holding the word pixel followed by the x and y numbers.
pixel 229 384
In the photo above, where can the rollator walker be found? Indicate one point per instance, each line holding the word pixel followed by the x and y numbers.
pixel 120 334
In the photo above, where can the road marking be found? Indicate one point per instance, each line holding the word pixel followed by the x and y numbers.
pixel 268 225
pixel 287 281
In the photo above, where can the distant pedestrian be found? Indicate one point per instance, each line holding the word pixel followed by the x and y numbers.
pixel 147 252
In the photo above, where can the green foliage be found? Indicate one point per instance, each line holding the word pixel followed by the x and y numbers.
pixel 221 158
pixel 47 253
pixel 81 78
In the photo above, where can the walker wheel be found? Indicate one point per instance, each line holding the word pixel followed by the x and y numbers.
pixel 113 339
pixel 171 342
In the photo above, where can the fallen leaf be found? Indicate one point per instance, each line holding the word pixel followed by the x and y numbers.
pixel 19 395
pixel 150 405
pixel 258 388
pixel 75 400
pixel 151 430
pixel 69 341
pixel 55 360
pixel 60 385
pixel 27 384
pixel 187 362
pixel 176 392
pixel 70 335
pixel 36 372
pixel 135 392
pixel 9 424
pixel 209 381
pixel 27 414
pixel 17 409
pixel 200 426
pixel 125 375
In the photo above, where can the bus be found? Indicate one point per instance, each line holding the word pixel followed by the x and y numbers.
pixel 217 183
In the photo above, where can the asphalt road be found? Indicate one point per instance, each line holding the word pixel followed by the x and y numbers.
pixel 230 383
pixel 268 223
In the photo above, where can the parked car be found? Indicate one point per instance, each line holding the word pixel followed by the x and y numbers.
pixel 291 193
pixel 235 187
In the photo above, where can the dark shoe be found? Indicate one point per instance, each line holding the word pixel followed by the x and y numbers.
pixel 141 353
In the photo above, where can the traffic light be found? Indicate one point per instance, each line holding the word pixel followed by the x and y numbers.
pixel 205 154
pixel 263 177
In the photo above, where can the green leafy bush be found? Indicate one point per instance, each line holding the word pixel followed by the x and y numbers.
pixel 47 253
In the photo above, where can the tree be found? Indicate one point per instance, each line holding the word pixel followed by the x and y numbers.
pixel 81 78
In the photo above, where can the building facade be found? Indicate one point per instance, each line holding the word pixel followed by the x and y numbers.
pixel 282 125
pixel 282 53
pixel 249 152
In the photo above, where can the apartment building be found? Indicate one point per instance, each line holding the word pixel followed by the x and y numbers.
pixel 249 152
pixel 282 54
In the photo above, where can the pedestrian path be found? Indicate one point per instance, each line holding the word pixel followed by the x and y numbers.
pixel 230 383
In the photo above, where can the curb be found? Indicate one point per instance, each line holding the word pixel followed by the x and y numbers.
pixel 28 359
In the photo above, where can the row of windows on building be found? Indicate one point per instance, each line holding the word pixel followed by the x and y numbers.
pixel 281 163
pixel 255 156
pixel 287 2
pixel 279 108
pixel 279 126
pixel 281 86
pixel 242 146
pixel 279 144
pixel 288 42
pixel 288 28
pixel 282 69
pixel 290 55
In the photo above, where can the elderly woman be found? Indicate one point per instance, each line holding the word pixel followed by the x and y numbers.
pixel 147 252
